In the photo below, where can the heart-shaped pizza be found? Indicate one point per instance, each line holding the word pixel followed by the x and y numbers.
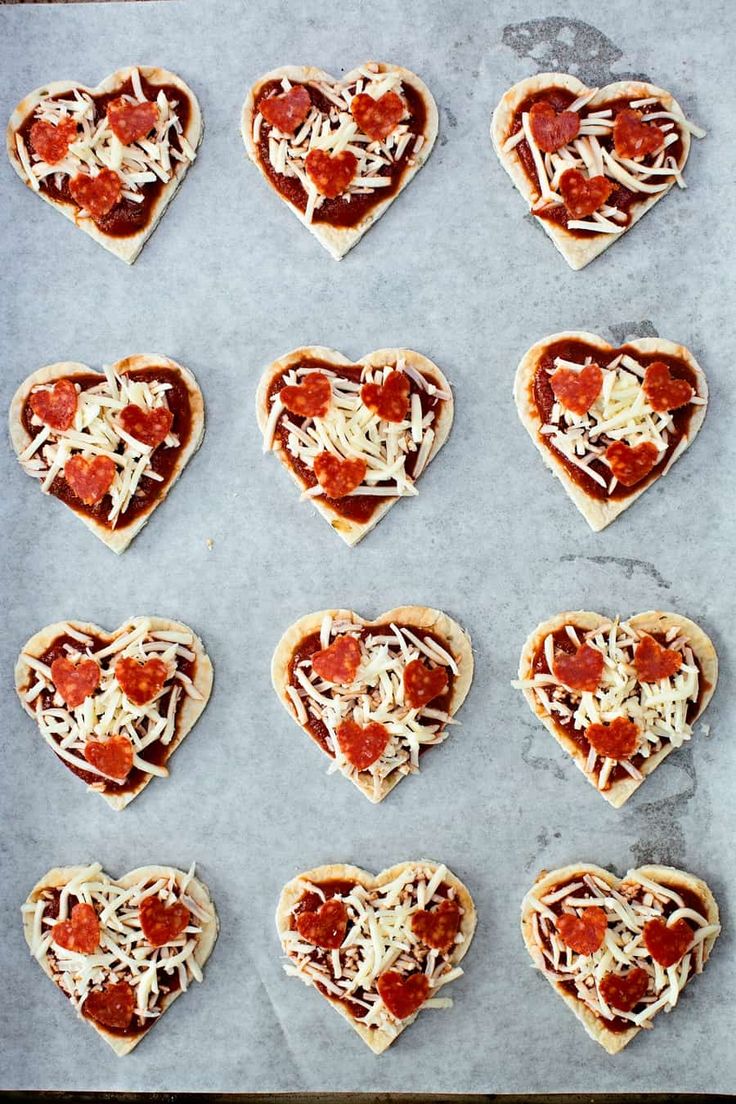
pixel 338 152
pixel 122 950
pixel 111 444
pixel 355 437
pixel 108 158
pixel 618 696
pixel 619 951
pixel 115 706
pixel 590 161
pixel 378 948
pixel 374 695
pixel 609 422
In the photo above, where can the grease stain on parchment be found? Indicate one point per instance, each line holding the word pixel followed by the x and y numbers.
pixel 627 331
pixel 562 45
pixel 627 565
pixel 657 823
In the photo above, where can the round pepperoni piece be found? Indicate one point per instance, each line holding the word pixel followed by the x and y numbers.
pixel 90 479
pixel 403 996
pixel 96 194
pixel 362 745
pixel 632 138
pixel 667 943
pixel 583 934
pixel 112 1006
pixel 309 399
pixel 577 391
pixel 377 118
pixel 150 427
pixel 653 662
pixel 550 130
pixel 287 110
pixel 50 142
pixel 55 406
pixel 583 670
pixel 389 400
pixel 81 933
pixel 583 194
pixel 422 684
pixel 331 175
pixel 326 927
pixel 141 682
pixel 439 926
pixel 75 681
pixel 162 923
pixel 113 756
pixel 617 740
pixel 339 662
pixel 624 991
pixel 337 477
pixel 662 390
pixel 631 465
pixel 131 121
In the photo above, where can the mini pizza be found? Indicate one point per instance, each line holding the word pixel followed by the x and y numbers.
pixel 111 444
pixel 121 950
pixel 590 161
pixel 355 437
pixel 378 948
pixel 619 951
pixel 618 696
pixel 609 422
pixel 374 695
pixel 108 158
pixel 338 152
pixel 114 707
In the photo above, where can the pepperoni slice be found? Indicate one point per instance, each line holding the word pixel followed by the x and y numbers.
pixel 653 662
pixel 617 740
pixel 552 131
pixel 90 479
pixel 50 142
pixel 422 684
pixel 389 400
pixel 162 923
pixel 81 933
pixel 150 427
pixel 377 118
pixel 286 110
pixel 309 399
pixel 624 991
pixel 577 391
pixel 75 681
pixel 140 682
pixel 438 927
pixel 662 390
pixel 339 662
pixel 338 477
pixel 326 927
pixel 632 138
pixel 331 175
pixel 113 756
pixel 131 121
pixel 403 996
pixel 112 1006
pixel 583 194
pixel 583 934
pixel 581 671
pixel 96 194
pixel 362 744
pixel 56 406
pixel 667 943
pixel 631 465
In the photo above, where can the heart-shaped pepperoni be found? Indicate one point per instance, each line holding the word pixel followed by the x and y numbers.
pixel 632 138
pixel 389 400
pixel 583 934
pixel 50 142
pixel 667 943
pixel 140 682
pixel 662 390
pixel 403 996
pixel 55 406
pixel 422 684
pixel 286 110
pixel 81 933
pixel 90 479
pixel 162 923
pixel 439 926
pixel 583 670
pixel 113 756
pixel 362 744
pixel 331 174
pixel 326 927
pixel 583 194
pixel 653 662
pixel 377 118
pixel 75 681
pixel 309 399
pixel 96 194
pixel 617 740
pixel 577 391
pixel 631 465
pixel 550 130
pixel 624 991
pixel 150 427
pixel 131 121
pixel 338 662
pixel 338 477
pixel 112 1006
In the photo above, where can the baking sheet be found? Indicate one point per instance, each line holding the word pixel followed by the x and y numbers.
pixel 229 281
